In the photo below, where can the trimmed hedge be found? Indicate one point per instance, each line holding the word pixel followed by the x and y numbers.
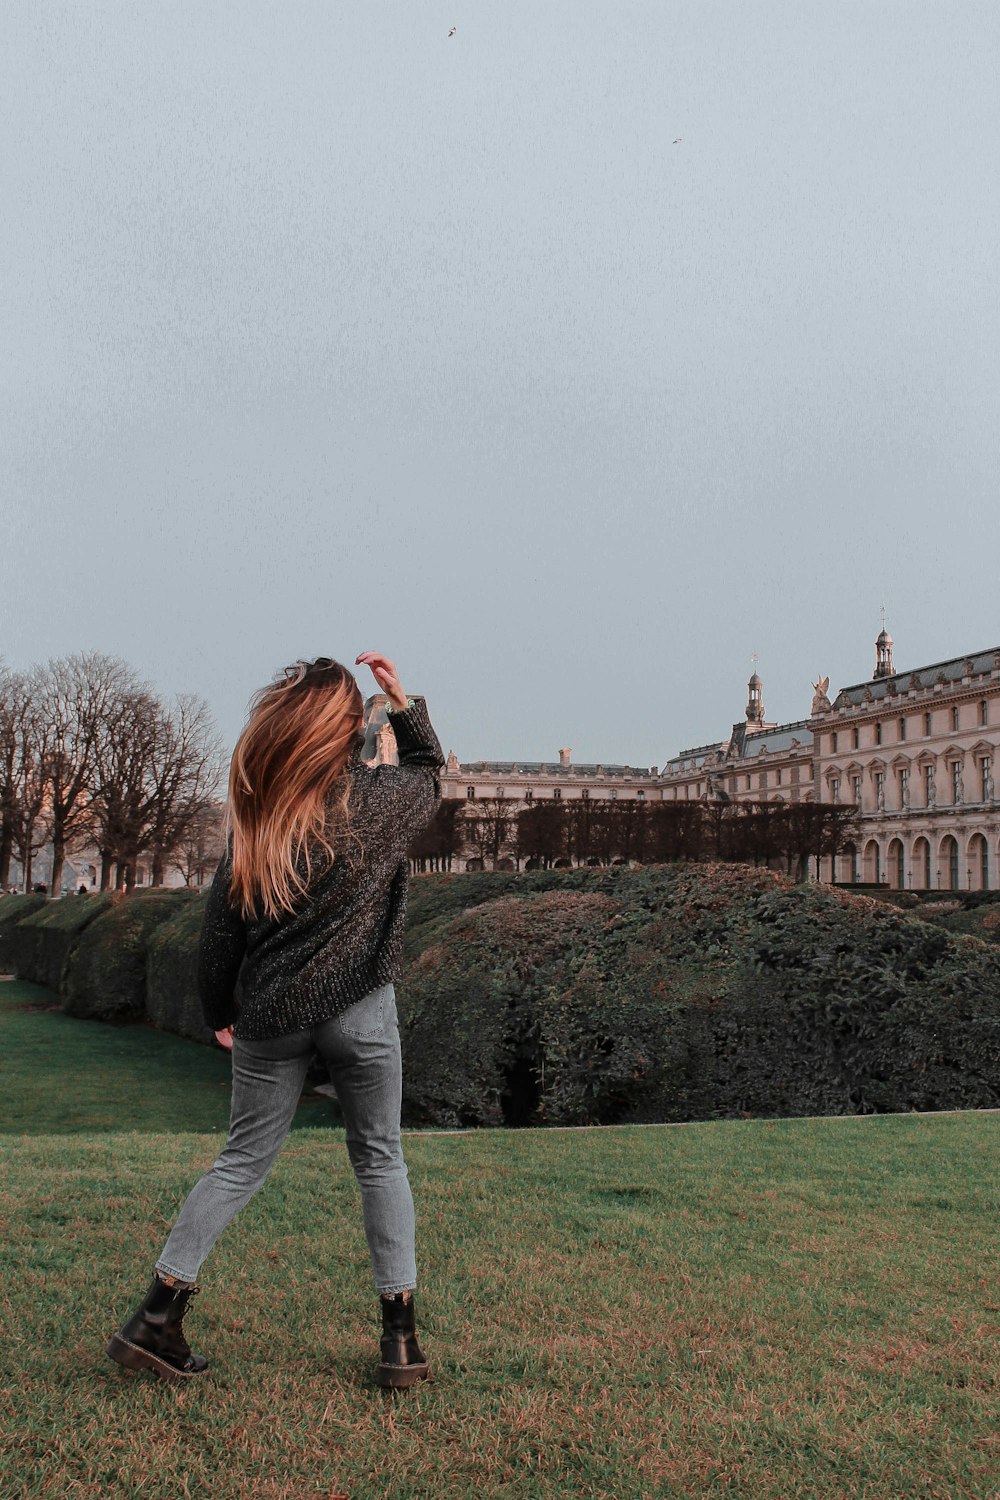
pixel 699 992
pixel 105 974
pixel 172 971
pixel 13 911
pixel 41 944
pixel 606 995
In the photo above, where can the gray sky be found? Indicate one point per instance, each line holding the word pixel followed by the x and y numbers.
pixel 325 332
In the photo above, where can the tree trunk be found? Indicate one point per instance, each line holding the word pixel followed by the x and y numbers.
pixel 58 861
pixel 6 851
pixel 106 863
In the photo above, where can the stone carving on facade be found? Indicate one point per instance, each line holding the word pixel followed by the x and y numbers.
pixel 868 695
pixel 915 680
pixel 820 703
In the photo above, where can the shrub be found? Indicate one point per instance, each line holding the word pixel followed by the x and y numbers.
pixel 172 973
pixel 105 974
pixel 700 991
pixel 40 945
pixel 13 911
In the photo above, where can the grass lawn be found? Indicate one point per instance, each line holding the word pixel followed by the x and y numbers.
pixel 764 1309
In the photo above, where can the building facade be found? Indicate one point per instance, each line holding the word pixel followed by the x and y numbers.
pixel 916 752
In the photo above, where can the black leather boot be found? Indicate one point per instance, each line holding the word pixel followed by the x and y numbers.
pixel 153 1338
pixel 402 1363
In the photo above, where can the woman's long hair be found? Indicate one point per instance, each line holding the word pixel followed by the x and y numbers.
pixel 289 783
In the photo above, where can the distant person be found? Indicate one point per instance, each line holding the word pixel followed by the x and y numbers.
pixel 40 888
pixel 83 889
pixel 316 941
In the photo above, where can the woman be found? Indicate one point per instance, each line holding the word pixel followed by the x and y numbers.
pixel 307 908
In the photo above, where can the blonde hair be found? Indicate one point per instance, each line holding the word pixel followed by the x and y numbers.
pixel 289 783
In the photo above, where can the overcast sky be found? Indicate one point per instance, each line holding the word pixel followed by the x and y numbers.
pixel 326 332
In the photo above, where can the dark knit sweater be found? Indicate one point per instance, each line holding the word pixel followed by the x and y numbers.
pixel 346 938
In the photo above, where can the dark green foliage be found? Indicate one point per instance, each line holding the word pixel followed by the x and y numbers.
pixel 693 991
pixel 105 974
pixel 40 945
pixel 171 973
pixel 13 911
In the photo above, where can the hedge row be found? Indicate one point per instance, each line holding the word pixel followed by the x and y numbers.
pixel 668 992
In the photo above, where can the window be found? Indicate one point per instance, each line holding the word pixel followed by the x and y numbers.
pixel 984 716
pixel 878 733
pixel 929 785
pixel 557 792
pixel 904 787
pixel 857 788
pixel 641 796
pixel 857 739
pixel 470 793
pixel 954 717
pixel 835 788
pixel 956 781
pixel 614 794
pixel 880 789
pixel 985 788
pixel 529 795
pixel 927 723
pixel 748 781
pixel 902 729
pixel 585 794
pixel 778 781
pixel 499 791
pixel 833 742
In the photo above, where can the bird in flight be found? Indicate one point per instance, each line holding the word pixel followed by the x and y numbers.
pixel 678 140
pixel 452 31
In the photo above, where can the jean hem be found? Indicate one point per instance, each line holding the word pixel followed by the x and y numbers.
pixel 173 1271
pixel 397 1286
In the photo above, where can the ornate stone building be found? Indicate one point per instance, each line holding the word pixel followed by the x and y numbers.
pixel 916 751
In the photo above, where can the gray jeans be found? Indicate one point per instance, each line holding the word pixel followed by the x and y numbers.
pixel 361 1049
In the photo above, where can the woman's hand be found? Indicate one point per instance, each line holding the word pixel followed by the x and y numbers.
pixel 225 1038
pixel 385 675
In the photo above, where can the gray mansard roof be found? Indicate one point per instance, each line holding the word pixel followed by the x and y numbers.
pixel 547 769
pixel 981 663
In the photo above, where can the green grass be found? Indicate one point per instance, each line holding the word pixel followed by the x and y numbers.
pixel 59 1075
pixel 766 1309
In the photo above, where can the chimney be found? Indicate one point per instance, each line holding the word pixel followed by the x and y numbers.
pixel 564 756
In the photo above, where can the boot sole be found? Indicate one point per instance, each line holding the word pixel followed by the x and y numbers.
pixel 134 1358
pixel 401 1377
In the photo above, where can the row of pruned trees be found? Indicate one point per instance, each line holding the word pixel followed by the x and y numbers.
pixel 602 831
pixel 90 758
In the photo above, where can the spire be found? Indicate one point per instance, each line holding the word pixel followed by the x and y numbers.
pixel 755 705
pixel 883 653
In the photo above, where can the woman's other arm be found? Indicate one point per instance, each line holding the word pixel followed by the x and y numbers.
pixel 221 950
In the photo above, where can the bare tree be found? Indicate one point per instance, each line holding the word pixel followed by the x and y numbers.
pixel 119 787
pixel 188 764
pixel 23 776
pixel 199 849
pixel 491 827
pixel 74 695
pixel 541 832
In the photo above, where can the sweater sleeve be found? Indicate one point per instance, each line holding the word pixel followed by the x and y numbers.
pixel 220 954
pixel 410 793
